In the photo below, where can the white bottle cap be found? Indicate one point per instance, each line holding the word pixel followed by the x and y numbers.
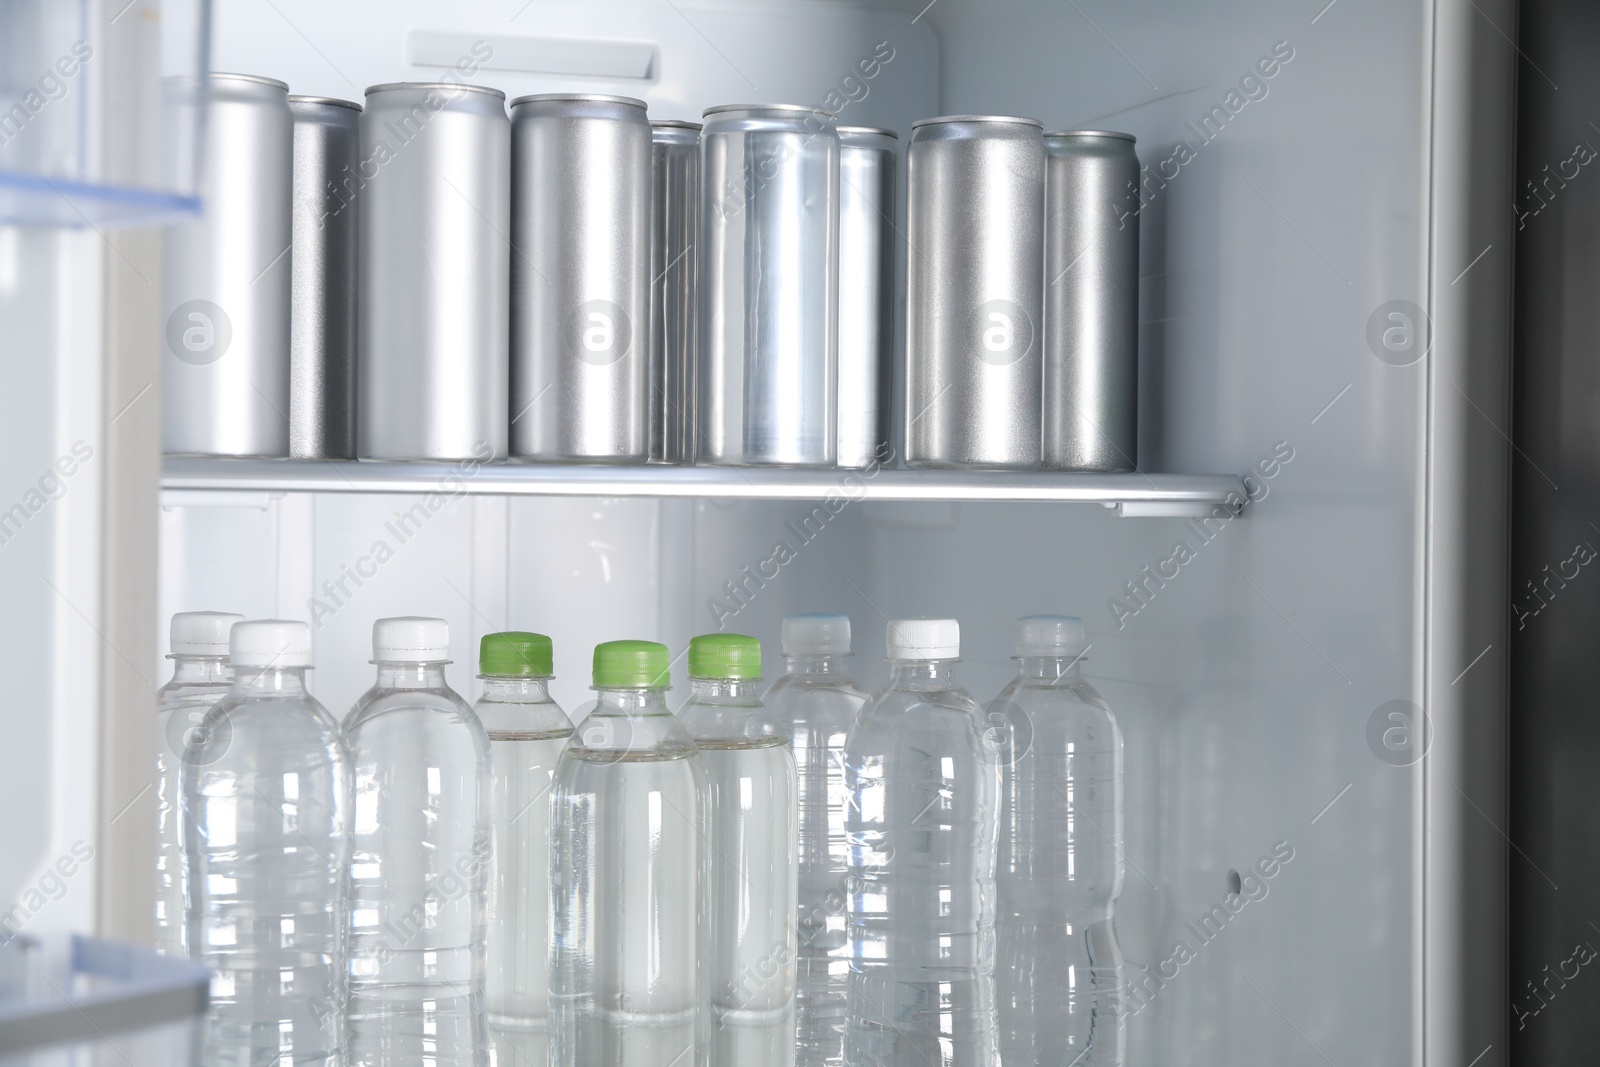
pixel 411 639
pixel 815 635
pixel 924 639
pixel 270 643
pixel 202 633
pixel 1051 635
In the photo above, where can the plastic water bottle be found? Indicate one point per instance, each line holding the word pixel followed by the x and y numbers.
pixel 1059 973
pixel 527 731
pixel 922 768
pixel 267 810
pixel 419 863
pixel 816 702
pixel 748 907
pixel 200 677
pixel 625 853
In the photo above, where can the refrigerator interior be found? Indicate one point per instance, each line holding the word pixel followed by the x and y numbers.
pixel 1257 670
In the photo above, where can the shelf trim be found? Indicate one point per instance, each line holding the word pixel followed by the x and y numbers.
pixel 1146 494
pixel 90 204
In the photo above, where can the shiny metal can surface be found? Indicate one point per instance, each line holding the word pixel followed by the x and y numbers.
pixel 675 222
pixel 866 291
pixel 768 280
pixel 1091 302
pixel 226 277
pixel 974 292
pixel 580 278
pixel 322 325
pixel 434 203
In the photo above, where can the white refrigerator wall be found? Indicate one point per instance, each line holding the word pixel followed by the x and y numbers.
pixel 54 443
pixel 79 467
pixel 1268 671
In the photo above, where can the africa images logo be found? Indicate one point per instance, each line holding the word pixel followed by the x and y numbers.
pixel 199 332
pixel 1004 332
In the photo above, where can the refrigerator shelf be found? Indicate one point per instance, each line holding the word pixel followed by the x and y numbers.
pixel 38 200
pixel 92 134
pixel 1136 494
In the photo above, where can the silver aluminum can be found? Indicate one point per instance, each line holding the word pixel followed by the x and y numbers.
pixel 974 292
pixel 1091 302
pixel 768 335
pixel 226 277
pixel 675 222
pixel 866 291
pixel 322 327
pixel 580 278
pixel 434 307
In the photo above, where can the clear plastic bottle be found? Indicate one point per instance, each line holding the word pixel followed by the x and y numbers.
pixel 748 907
pixel 626 835
pixel 267 815
pixel 200 677
pixel 527 731
pixel 816 702
pixel 419 864
pixel 922 767
pixel 1058 977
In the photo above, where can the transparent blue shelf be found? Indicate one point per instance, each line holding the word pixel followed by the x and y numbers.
pixel 38 200
pixel 90 135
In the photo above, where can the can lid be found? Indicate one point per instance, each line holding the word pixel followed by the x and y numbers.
pixel 815 635
pixel 631 665
pixel 515 654
pixel 874 131
pixel 1013 119
pixel 331 101
pixel 218 75
pixel 799 108
pixel 202 633
pixel 270 643
pixel 924 639
pixel 1051 635
pixel 1093 133
pixel 592 98
pixel 674 124
pixel 410 639
pixel 389 87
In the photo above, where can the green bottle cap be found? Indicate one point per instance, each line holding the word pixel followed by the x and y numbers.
pixel 631 665
pixel 732 656
pixel 515 654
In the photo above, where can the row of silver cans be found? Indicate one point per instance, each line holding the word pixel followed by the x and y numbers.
pixel 559 285
pixel 1022 283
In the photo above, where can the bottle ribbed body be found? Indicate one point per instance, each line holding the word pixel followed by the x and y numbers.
pixel 816 702
pixel 267 817
pixel 419 870
pixel 198 682
pixel 527 731
pixel 626 840
pixel 747 917
pixel 923 775
pixel 1060 869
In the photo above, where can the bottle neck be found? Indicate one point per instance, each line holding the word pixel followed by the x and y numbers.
pixel 922 673
pixel 201 670
pixel 630 702
pixel 410 675
pixel 1062 669
pixel 831 664
pixel 519 690
pixel 269 681
pixel 719 689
